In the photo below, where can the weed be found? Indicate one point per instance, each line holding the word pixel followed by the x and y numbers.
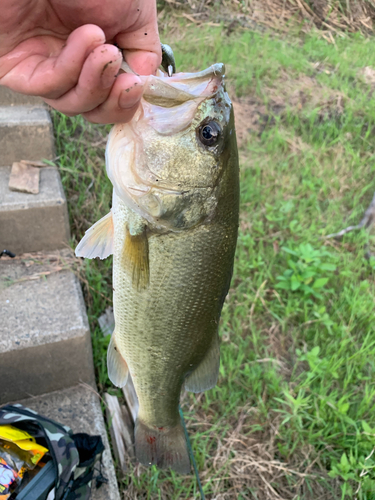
pixel 307 271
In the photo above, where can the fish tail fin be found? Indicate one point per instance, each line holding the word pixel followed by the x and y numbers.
pixel 162 446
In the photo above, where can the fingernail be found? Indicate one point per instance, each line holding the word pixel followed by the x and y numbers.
pixel 127 98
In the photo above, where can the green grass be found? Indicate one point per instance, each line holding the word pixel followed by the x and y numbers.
pixel 293 415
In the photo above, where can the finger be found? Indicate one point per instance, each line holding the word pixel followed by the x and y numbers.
pixel 47 67
pixel 142 49
pixel 142 62
pixel 122 102
pixel 94 85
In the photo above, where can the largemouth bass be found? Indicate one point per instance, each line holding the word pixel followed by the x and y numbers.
pixel 172 231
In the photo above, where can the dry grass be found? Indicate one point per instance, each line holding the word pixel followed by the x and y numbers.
pixel 327 15
pixel 244 462
pixel 38 265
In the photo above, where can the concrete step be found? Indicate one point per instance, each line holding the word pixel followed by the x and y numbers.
pixel 25 134
pixel 10 98
pixel 45 342
pixel 79 408
pixel 33 222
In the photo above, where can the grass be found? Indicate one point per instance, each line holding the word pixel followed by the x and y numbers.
pixel 293 415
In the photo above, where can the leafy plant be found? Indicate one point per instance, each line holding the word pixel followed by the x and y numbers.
pixel 309 270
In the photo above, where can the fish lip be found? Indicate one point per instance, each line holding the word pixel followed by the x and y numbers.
pixel 217 69
pixel 186 188
pixel 139 193
pixel 214 76
pixel 139 190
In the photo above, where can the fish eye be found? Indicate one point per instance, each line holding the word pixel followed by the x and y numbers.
pixel 209 133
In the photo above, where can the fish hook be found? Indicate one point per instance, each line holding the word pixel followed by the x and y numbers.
pixel 168 61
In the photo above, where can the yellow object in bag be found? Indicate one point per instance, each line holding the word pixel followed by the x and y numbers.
pixel 10 433
pixel 24 441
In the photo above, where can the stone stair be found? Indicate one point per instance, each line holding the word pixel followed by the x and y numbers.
pixel 33 222
pixel 21 131
pixel 45 344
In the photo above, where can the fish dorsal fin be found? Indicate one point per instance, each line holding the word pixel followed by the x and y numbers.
pixel 135 258
pixel 205 376
pixel 117 367
pixel 98 240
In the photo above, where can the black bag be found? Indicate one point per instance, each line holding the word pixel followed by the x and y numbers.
pixel 68 475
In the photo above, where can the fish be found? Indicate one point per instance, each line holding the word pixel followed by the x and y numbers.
pixel 172 231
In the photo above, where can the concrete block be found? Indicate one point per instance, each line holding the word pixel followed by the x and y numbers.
pixel 33 222
pixel 25 134
pixel 10 98
pixel 45 342
pixel 79 408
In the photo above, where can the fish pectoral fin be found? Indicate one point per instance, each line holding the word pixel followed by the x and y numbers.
pixel 98 240
pixel 205 376
pixel 136 259
pixel 117 366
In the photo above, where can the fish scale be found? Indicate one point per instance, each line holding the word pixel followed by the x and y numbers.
pixel 173 237
pixel 183 320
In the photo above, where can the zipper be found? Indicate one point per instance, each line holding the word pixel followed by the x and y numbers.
pixel 27 413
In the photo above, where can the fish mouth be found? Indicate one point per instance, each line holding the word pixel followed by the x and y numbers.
pixel 180 88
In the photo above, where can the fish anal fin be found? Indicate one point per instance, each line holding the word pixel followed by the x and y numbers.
pixel 117 367
pixel 162 446
pixel 205 376
pixel 98 240
pixel 136 259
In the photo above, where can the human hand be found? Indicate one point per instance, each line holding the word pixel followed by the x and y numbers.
pixel 62 50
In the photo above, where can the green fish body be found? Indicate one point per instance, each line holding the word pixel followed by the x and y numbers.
pixel 172 231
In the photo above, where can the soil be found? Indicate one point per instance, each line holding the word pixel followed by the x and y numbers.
pixel 301 94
